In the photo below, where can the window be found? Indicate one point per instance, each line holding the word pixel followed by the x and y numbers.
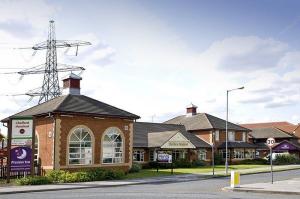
pixel 231 136
pixel 217 135
pixel 179 154
pixel 238 154
pixel 244 136
pixel 80 147
pixel 138 155
pixel 202 154
pixel 36 149
pixel 112 146
pixel 250 153
pixel 152 155
pixel 223 153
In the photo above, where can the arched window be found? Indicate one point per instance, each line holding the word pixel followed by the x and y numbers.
pixel 112 146
pixel 80 147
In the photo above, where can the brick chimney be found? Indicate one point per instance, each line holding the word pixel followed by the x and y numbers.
pixel 191 110
pixel 71 84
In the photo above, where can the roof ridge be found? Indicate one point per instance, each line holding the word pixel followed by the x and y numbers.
pixel 58 106
pixel 208 119
pixel 160 123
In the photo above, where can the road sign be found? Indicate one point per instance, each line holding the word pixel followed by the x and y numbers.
pixel 270 142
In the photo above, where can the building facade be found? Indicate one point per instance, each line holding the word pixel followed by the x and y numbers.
pixel 212 130
pixel 152 138
pixel 74 131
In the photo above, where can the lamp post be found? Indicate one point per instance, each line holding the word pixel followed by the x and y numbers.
pixel 226 142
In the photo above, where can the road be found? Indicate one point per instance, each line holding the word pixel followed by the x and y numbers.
pixel 210 188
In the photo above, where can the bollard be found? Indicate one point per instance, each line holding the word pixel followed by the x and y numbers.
pixel 235 179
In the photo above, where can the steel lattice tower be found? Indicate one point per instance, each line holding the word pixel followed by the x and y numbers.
pixel 50 88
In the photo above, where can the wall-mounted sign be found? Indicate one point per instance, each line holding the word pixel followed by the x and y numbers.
pixel 178 141
pixel 20 159
pixel 21 142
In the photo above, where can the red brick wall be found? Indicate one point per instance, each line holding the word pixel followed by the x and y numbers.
pixel 97 126
pixel 44 129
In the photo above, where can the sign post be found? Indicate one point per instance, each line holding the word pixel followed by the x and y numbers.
pixel 270 143
pixel 20 145
pixel 163 157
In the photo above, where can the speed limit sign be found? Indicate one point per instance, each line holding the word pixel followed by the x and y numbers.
pixel 270 142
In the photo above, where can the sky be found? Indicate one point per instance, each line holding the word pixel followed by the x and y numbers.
pixel 153 58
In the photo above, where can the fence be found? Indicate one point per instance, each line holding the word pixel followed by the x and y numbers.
pixel 18 174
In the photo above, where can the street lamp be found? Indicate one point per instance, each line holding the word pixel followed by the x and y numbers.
pixel 226 158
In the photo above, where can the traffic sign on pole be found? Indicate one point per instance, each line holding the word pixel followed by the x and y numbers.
pixel 270 143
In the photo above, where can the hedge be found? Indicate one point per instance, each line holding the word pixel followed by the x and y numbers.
pixel 68 177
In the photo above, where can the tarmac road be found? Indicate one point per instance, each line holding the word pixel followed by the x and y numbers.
pixel 210 188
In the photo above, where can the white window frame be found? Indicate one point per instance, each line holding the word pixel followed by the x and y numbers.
pixel 231 136
pixel 244 136
pixel 139 153
pixel 217 135
pixel 238 154
pixel 202 154
pixel 83 149
pixel 36 148
pixel 116 152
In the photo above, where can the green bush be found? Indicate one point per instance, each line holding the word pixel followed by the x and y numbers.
pixel 218 159
pixel 57 176
pixel 135 168
pixel 199 163
pixel 38 180
pixel 96 174
pixel 114 174
pixel 254 161
pixel 182 163
pixel 286 159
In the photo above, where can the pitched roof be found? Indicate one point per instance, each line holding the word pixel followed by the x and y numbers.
pixel 157 139
pixel 204 121
pixel 79 104
pixel 269 132
pixel 284 126
pixel 142 129
pixel 237 145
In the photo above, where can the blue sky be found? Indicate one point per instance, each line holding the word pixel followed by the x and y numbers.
pixel 153 58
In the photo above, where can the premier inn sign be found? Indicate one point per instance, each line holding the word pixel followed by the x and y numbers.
pixel 178 141
pixel 22 131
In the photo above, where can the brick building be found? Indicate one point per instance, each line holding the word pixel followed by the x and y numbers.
pixel 74 131
pixel 151 138
pixel 211 129
pixel 286 135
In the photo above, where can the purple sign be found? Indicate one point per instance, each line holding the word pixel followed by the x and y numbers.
pixel 20 159
pixel 284 146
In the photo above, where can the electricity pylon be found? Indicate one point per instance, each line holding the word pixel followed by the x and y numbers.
pixel 50 87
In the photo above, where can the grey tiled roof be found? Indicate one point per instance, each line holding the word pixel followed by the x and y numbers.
pixel 142 129
pixel 237 145
pixel 157 139
pixel 79 104
pixel 204 121
pixel 269 132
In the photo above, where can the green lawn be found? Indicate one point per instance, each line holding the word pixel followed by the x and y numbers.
pixel 144 173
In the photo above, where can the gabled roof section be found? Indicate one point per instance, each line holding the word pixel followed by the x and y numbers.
pixel 157 139
pixel 203 121
pixel 284 126
pixel 79 104
pixel 142 129
pixel 260 133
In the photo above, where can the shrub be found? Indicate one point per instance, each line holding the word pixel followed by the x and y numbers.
pixel 56 176
pixel 135 168
pixel 182 163
pixel 96 174
pixel 114 174
pixel 38 180
pixel 199 163
pixel 218 159
pixel 254 161
pixel 286 159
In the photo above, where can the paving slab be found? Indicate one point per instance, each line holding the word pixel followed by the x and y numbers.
pixel 291 186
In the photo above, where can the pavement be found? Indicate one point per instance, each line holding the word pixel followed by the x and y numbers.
pixel 291 186
pixel 99 184
pixel 154 180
